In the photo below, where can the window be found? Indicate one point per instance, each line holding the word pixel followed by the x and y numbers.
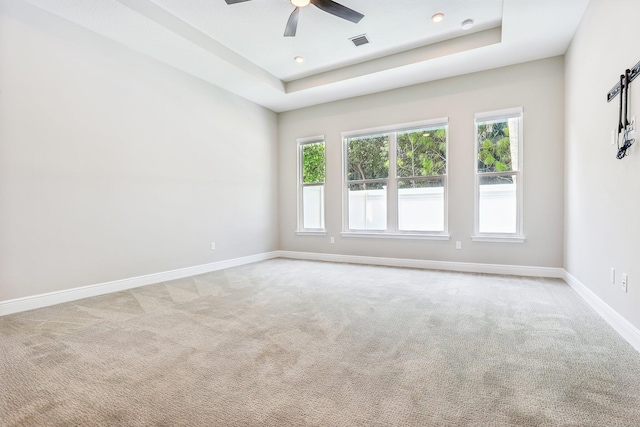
pixel 421 169
pixel 311 177
pixel 498 201
pixel 367 176
pixel 395 181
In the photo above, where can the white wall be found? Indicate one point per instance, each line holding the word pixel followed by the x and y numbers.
pixel 113 165
pixel 602 193
pixel 537 86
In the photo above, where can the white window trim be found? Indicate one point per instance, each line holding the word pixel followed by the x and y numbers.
pixel 396 235
pixel 392 231
pixel 301 231
pixel 518 236
pixel 311 233
pixel 394 128
pixel 498 238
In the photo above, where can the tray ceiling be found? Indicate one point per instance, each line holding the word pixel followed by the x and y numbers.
pixel 241 48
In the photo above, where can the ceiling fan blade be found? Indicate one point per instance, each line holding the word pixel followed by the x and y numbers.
pixel 338 10
pixel 235 1
pixel 292 23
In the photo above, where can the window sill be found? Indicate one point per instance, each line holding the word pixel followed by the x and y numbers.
pixel 311 233
pixel 408 236
pixel 499 239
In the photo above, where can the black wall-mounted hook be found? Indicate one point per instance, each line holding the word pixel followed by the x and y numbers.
pixel 626 97
pixel 622 85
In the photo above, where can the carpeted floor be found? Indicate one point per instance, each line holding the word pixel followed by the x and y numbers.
pixel 297 343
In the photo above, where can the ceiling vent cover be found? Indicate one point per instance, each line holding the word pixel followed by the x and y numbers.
pixel 359 40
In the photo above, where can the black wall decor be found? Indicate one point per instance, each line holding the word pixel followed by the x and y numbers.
pixel 622 88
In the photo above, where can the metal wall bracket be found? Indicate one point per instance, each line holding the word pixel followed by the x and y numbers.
pixel 633 73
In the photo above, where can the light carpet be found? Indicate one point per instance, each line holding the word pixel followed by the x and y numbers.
pixel 299 343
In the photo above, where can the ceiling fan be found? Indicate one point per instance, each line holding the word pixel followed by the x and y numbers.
pixel 328 6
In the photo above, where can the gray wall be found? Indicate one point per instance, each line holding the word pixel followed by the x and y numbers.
pixel 113 165
pixel 602 193
pixel 537 86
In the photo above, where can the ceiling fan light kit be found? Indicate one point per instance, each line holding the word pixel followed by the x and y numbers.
pixel 300 3
pixel 328 6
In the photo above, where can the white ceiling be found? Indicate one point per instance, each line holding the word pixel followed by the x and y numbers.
pixel 241 47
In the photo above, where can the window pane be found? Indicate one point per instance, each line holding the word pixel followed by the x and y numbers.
pixel 422 152
pixel 368 157
pixel 368 206
pixel 421 205
pixel 313 206
pixel 497 204
pixel 313 163
pixel 498 145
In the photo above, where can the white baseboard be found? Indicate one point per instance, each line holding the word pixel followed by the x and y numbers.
pixel 467 267
pixel 612 317
pixel 52 298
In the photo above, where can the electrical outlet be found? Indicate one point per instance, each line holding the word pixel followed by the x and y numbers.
pixel 613 275
pixel 333 240
pixel 625 281
pixel 213 246
pixel 458 245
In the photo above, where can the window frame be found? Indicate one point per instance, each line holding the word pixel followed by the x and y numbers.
pixel 392 229
pixel 301 230
pixel 518 236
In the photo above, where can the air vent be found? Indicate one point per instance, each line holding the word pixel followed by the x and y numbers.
pixel 359 40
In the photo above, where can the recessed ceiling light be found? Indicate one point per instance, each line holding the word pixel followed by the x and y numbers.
pixel 300 3
pixel 299 59
pixel 467 24
pixel 438 17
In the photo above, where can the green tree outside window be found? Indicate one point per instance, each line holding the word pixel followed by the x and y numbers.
pixel 421 153
pixel 368 158
pixel 495 149
pixel 313 163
